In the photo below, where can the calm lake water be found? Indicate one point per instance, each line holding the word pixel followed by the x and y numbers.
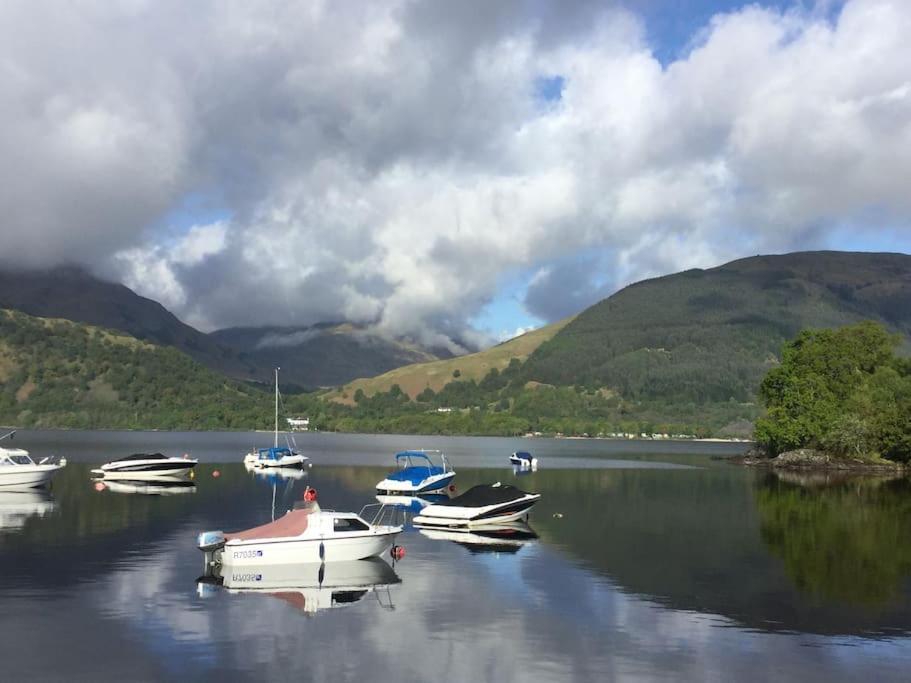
pixel 653 561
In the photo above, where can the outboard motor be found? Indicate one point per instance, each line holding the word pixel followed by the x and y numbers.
pixel 211 543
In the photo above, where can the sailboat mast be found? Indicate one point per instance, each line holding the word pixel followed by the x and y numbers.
pixel 276 407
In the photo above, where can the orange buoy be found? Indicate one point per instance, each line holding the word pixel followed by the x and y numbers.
pixel 99 486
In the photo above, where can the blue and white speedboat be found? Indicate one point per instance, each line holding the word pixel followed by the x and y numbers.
pixel 524 460
pixel 416 474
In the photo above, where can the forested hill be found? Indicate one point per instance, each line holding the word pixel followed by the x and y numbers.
pixel 704 336
pixel 57 373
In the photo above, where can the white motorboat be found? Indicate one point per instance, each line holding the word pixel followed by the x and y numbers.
pixel 19 471
pixel 147 466
pixel 524 460
pixel 304 534
pixel 276 456
pixel 308 587
pixel 480 505
pixel 416 474
pixel 16 507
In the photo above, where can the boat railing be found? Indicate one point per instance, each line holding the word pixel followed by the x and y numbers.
pixel 382 514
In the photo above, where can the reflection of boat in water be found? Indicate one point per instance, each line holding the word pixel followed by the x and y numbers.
pixel 17 506
pixel 276 456
pixel 19 471
pixel 309 587
pixel 479 506
pixel 416 474
pixel 304 534
pixel 492 538
pixel 148 487
pixel 147 466
pixel 276 473
pixel 413 504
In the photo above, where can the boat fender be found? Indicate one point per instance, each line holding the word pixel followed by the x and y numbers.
pixel 452 488
pixel 397 552
pixel 322 552
pixel 310 495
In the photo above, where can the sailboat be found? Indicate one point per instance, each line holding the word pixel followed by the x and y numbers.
pixel 276 456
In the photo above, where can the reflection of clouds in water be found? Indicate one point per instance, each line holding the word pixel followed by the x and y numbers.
pixel 504 617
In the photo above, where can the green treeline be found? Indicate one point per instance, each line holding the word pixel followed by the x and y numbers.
pixel 843 391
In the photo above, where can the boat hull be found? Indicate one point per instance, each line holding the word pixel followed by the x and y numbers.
pixel 276 551
pixel 27 476
pixel 292 461
pixel 432 484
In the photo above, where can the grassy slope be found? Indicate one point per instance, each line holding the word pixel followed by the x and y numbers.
pixel 58 373
pixel 710 335
pixel 413 379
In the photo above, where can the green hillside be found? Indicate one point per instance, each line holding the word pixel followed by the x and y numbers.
pixel 57 373
pixel 708 336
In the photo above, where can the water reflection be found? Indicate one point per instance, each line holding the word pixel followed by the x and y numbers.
pixel 146 487
pixel 840 537
pixel 500 538
pixel 16 507
pixel 309 587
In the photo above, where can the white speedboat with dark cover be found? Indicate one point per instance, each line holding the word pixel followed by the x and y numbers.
pixel 524 460
pixel 147 466
pixel 480 505
pixel 308 587
pixel 19 471
pixel 304 534
pixel 416 474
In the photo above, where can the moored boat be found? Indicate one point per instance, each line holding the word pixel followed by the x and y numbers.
pixel 19 471
pixel 416 474
pixel 480 505
pixel 524 460
pixel 276 456
pixel 147 466
pixel 304 534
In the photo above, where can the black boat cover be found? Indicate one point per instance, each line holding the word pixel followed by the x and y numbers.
pixel 486 494
pixel 143 456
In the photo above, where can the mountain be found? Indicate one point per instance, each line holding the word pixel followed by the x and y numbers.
pixel 705 336
pixel 413 379
pixel 328 354
pixel 322 355
pixel 58 373
pixel 73 294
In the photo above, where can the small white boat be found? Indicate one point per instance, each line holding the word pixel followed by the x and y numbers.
pixel 309 587
pixel 304 534
pixel 276 456
pixel 524 460
pixel 147 466
pixel 19 471
pixel 416 474
pixel 480 505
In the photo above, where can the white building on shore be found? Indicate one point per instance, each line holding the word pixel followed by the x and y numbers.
pixel 299 424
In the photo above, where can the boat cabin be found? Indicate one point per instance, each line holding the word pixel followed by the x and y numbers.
pixel 15 456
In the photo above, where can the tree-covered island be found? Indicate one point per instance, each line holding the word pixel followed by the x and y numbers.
pixel 839 398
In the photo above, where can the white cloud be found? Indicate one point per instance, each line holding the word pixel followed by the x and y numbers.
pixel 388 163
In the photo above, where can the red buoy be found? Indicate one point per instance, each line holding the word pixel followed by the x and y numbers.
pixel 309 495
pixel 216 474
pixel 99 486
pixel 398 552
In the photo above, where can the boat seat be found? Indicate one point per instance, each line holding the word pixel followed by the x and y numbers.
pixel 294 523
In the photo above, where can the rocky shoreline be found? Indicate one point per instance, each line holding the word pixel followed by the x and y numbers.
pixel 811 459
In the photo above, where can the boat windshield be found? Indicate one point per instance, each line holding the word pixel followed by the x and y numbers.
pixel 20 459
pixel 407 459
pixel 274 453
pixel 143 456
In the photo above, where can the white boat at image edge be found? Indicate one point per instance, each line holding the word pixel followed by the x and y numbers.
pixel 19 471
pixel 480 505
pixel 416 474
pixel 308 587
pixel 304 534
pixel 147 466
pixel 276 456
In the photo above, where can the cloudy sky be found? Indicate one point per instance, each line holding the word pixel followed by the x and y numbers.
pixel 446 170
